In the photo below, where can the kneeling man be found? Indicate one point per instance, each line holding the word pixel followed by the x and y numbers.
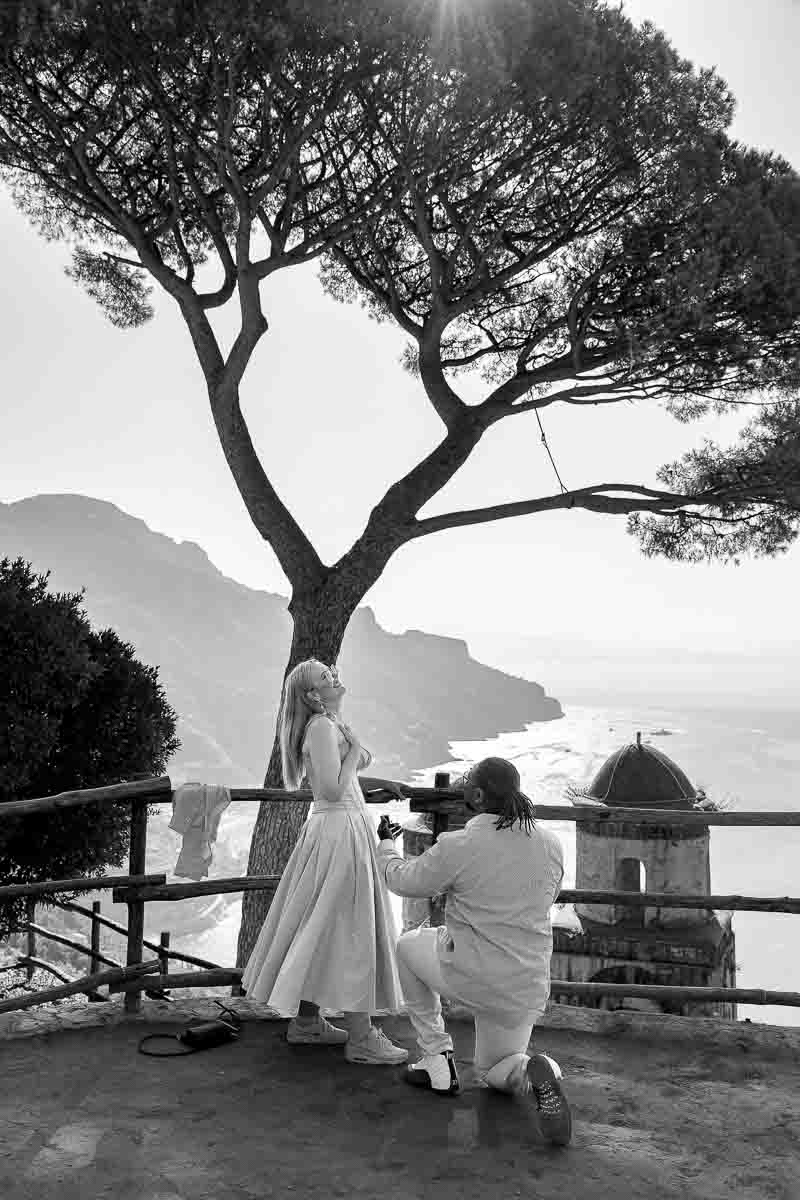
pixel 501 874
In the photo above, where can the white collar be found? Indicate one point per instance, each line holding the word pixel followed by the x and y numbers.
pixel 487 815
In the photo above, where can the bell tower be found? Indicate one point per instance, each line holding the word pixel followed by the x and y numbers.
pixel 627 943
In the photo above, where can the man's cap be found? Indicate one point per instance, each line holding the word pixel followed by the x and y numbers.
pixel 498 777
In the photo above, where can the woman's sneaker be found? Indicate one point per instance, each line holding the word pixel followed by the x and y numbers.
pixel 375 1050
pixel 317 1032
pixel 437 1072
pixel 544 1079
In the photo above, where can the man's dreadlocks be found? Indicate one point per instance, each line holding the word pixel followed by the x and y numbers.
pixel 516 808
pixel 510 803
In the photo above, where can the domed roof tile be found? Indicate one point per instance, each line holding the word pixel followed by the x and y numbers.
pixel 641 776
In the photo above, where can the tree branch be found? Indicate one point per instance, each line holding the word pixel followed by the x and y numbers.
pixel 226 290
pixel 204 340
pixel 253 326
pixel 447 403
pixel 594 499
pixel 597 394
pixel 392 521
pixel 297 556
pixel 501 402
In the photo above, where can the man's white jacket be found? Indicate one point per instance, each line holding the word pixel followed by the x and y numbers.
pixel 500 886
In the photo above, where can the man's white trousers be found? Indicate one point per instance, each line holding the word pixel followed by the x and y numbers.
pixel 499 1047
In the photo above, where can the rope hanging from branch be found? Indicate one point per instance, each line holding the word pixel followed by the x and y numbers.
pixel 549 453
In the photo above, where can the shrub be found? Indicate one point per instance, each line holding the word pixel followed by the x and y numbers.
pixel 77 710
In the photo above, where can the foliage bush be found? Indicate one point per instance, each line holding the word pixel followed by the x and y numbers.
pixel 77 710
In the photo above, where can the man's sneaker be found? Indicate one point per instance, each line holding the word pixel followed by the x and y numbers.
pixel 318 1032
pixel 375 1050
pixel 543 1079
pixel 437 1072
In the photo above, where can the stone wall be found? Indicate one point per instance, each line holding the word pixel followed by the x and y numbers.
pixel 671 863
pixel 597 968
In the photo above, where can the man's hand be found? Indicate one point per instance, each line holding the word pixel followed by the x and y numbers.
pixel 388 830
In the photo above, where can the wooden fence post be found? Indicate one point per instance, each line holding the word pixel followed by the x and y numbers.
pixel 94 961
pixel 440 822
pixel 163 953
pixel 441 781
pixel 30 917
pixel 138 853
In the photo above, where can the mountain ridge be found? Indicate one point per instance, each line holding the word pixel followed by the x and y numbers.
pixel 221 647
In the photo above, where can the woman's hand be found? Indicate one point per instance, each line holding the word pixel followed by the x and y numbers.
pixel 394 790
pixel 352 738
pixel 383 787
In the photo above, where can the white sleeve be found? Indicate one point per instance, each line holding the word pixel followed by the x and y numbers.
pixel 427 875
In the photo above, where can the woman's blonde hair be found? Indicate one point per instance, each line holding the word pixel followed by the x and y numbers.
pixel 295 713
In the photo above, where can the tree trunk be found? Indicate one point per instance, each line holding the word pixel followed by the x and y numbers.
pixel 319 626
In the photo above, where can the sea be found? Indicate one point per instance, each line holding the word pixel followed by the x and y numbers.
pixel 744 758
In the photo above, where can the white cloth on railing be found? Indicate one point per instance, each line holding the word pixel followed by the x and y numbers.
pixel 196 810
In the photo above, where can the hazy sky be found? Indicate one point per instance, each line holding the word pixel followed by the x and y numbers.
pixel 123 416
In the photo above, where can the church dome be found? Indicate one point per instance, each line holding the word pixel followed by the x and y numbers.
pixel 640 776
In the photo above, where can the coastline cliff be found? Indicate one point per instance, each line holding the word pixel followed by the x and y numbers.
pixel 221 648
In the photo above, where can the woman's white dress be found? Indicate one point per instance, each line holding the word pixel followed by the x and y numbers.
pixel 330 935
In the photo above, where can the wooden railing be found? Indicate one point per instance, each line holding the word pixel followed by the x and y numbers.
pixel 32 960
pixel 136 888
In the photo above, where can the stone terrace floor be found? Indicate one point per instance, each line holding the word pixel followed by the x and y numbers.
pixel 664 1108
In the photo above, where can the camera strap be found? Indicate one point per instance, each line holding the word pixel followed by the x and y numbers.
pixel 199 1035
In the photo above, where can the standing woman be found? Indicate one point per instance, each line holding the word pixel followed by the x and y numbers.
pixel 329 937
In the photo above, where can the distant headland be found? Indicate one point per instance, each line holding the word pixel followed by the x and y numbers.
pixel 221 647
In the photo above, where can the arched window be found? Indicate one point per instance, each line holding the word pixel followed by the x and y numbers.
pixel 631 877
pixel 625 973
